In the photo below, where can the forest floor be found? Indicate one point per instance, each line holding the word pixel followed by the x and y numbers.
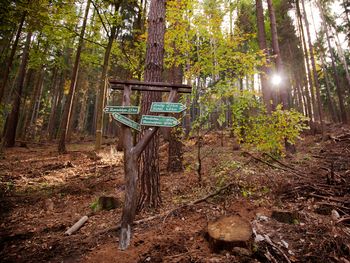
pixel 43 194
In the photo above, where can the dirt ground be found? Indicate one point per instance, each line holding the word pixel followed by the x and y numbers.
pixel 298 206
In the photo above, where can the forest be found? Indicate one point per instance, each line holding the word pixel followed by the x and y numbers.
pixel 175 131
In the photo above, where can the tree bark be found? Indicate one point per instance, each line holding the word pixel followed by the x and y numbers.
pixel 149 160
pixel 10 59
pixel 175 153
pixel 276 51
pixel 339 88
pixel 315 76
pixel 309 86
pixel 68 105
pixel 263 46
pixel 11 127
pixel 102 89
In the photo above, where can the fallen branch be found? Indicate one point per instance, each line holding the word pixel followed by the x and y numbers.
pixel 274 166
pixel 283 164
pixel 200 200
pixel 329 198
pixel 77 225
pixel 273 245
pixel 343 219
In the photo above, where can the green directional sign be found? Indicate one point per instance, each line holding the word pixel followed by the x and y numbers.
pixel 167 107
pixel 159 121
pixel 126 121
pixel 122 109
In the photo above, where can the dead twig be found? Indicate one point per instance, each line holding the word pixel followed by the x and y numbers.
pixel 343 219
pixel 300 176
pixel 283 164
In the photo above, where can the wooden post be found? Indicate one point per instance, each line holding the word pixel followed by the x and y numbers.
pixel 132 152
pixel 131 156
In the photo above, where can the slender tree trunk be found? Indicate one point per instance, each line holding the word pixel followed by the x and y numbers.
pixel 102 89
pixel 11 127
pixel 56 108
pixel 331 104
pixel 30 115
pixel 277 53
pixel 315 76
pixel 342 58
pixel 68 105
pixel 263 46
pixel 54 99
pixel 10 59
pixel 175 153
pixel 309 83
pixel 339 88
pixel 149 161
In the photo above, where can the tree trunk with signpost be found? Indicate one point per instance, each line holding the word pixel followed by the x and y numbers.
pixel 175 153
pixel 132 152
pixel 149 160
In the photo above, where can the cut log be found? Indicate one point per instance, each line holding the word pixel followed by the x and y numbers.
pixel 77 225
pixel 229 232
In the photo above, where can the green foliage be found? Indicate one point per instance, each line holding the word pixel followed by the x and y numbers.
pixel 268 133
pixel 250 122
pixel 95 206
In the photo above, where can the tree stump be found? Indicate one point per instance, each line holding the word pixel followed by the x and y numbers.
pixel 229 232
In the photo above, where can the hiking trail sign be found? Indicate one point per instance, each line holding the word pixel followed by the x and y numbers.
pixel 158 121
pixel 122 109
pixel 132 151
pixel 126 121
pixel 169 107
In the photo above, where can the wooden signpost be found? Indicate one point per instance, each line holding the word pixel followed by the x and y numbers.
pixel 122 109
pixel 158 121
pixel 132 152
pixel 126 121
pixel 167 107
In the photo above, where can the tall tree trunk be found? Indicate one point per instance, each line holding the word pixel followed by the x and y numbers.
pixel 175 153
pixel 276 51
pixel 54 99
pixel 56 108
pixel 309 84
pixel 342 57
pixel 10 59
pixel 11 127
pixel 28 130
pixel 339 88
pixel 331 103
pixel 149 160
pixel 102 88
pixel 263 46
pixel 68 105
pixel 315 76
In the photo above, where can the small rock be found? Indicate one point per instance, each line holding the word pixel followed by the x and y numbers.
pixel 335 215
pixel 177 229
pixel 259 238
pixel 262 218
